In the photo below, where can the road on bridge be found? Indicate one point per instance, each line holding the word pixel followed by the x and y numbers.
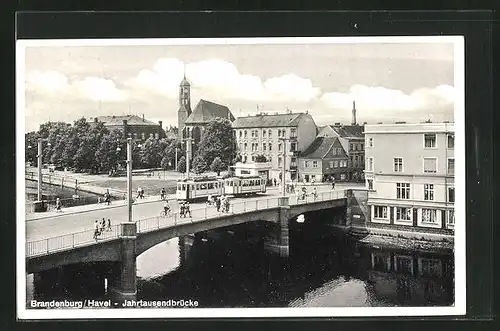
pixel 62 224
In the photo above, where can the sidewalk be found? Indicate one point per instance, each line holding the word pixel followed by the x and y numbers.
pixel 92 207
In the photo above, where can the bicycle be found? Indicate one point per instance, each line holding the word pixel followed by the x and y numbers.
pixel 165 214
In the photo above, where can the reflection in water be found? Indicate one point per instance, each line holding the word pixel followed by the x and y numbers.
pixel 232 269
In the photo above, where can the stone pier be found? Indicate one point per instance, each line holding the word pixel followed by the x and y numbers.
pixel 124 284
pixel 277 239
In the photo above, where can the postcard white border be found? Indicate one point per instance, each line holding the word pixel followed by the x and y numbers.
pixel 459 307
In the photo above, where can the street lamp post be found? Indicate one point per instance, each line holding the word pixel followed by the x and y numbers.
pixel 129 178
pixel 283 180
pixel 188 154
pixel 176 159
pixel 39 158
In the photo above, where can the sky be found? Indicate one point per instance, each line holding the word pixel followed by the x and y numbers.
pixel 390 82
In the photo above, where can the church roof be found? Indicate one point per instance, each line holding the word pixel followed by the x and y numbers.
pixel 206 111
pixel 118 120
pixel 348 131
pixel 185 82
pixel 319 148
pixel 267 121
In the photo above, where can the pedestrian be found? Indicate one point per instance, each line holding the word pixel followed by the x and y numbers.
pixel 96 230
pixel 187 210
pixel 314 193
pixel 333 183
pixel 109 224
pixel 103 224
pixel 142 193
pixel 226 205
pixel 58 204
pixel 218 203
pixel 139 190
pixel 274 179
pixel 182 209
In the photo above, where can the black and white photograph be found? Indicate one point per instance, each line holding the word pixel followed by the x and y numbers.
pixel 240 177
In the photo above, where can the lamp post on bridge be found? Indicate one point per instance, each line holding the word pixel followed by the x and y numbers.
pixel 39 160
pixel 188 155
pixel 129 177
pixel 283 179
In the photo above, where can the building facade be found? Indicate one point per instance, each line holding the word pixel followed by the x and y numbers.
pixel 133 126
pixel 352 139
pixel 410 171
pixel 278 137
pixel 324 159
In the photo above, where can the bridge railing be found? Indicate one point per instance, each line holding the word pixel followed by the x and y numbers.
pixel 69 241
pixel 298 199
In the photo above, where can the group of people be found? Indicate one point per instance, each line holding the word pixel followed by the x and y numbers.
pixel 184 209
pixel 101 226
pixel 107 198
pixel 140 193
pixel 220 202
pixel 303 193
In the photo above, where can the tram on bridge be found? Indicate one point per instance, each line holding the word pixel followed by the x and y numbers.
pixel 198 188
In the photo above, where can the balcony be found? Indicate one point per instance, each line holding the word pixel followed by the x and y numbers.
pixel 293 166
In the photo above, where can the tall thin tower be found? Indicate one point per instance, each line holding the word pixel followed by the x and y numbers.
pixel 353 113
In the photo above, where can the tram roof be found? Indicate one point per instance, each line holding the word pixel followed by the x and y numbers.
pixel 199 179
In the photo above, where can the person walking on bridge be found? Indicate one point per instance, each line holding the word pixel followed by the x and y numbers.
pixel 96 230
pixel 333 183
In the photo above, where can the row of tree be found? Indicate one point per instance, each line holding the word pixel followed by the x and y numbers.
pixel 85 147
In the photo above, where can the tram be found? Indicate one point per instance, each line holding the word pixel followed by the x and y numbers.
pixel 241 186
pixel 192 189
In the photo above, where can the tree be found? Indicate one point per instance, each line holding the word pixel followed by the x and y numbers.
pixel 150 153
pixel 165 163
pixel 107 155
pixel 218 140
pixel 199 165
pixel 31 147
pixel 217 166
pixel 260 158
pixel 181 166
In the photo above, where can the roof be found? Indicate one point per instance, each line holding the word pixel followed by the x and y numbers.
pixel 206 111
pixel 265 121
pixel 319 147
pixel 185 82
pixel 349 131
pixel 118 120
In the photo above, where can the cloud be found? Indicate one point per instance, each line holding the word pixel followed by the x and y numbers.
pixel 388 100
pixel 55 84
pixel 221 79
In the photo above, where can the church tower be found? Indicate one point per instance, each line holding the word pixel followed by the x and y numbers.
pixel 184 104
pixel 353 113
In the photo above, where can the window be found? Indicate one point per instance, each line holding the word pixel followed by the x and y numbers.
pixel 264 147
pixel 293 133
pixel 241 133
pixel 430 267
pixel 245 149
pixel 404 264
pixel 306 164
pixel 269 133
pixel 245 133
pixel 315 164
pixel 336 164
pixel 362 146
pixel 280 161
pixel 293 147
pixel 370 164
pixel 351 147
pixel 403 190
pixel 331 164
pixel 264 133
pixel 370 142
pixel 380 212
pixel 451 194
pixel 429 215
pixel 339 151
pixel 451 217
pixel 430 140
pixel 256 133
pixel 370 184
pixel 252 133
pixel 451 166
pixel 429 192
pixel 279 146
pixel 279 133
pixel 143 136
pixel 451 141
pixel 253 158
pixel 334 151
pixel 430 165
pixel 398 164
pixel 270 147
pixel 403 214
pixel 379 262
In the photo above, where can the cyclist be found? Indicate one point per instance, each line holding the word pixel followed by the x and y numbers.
pixel 166 207
pixel 163 194
pixel 210 200
pixel 314 193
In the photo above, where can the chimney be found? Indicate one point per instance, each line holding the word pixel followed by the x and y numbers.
pixel 95 119
pixel 125 128
pixel 161 123
pixel 353 113
pixel 143 118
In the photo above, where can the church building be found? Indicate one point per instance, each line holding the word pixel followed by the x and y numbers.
pixel 191 123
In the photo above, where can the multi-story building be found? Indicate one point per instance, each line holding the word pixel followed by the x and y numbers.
pixel 323 159
pixel 132 126
pixel 410 174
pixel 352 138
pixel 278 137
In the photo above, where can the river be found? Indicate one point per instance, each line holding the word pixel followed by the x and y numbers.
pixel 324 270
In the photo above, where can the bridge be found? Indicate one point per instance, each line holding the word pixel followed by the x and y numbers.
pixel 125 241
